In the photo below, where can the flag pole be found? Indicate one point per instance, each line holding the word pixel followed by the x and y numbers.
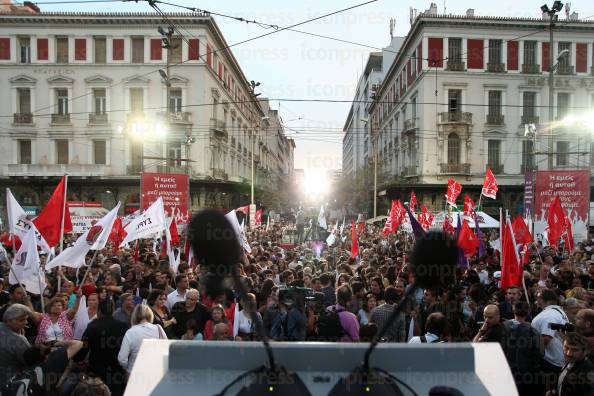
pixel 62 226
pixel 89 267
pixel 41 292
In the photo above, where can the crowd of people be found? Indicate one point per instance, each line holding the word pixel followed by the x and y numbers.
pixel 304 292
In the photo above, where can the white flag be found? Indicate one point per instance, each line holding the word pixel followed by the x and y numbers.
pixel 25 266
pixel 150 222
pixel 81 319
pixel 322 218
pixel 232 218
pixel 94 238
pixel 19 224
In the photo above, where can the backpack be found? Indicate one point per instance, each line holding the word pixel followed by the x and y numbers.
pixel 328 327
pixel 521 346
pixel 26 383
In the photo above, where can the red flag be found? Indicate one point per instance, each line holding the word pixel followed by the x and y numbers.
pixel 556 221
pixel 447 225
pixel 361 227
pixel 6 240
pixel 354 241
pixel 511 269
pixel 244 209
pixel 49 220
pixel 521 231
pixel 117 234
pixel 258 216
pixel 467 240
pixel 568 236
pixel 399 214
pixel 413 202
pixel 468 206
pixel 454 189
pixel 173 232
pixel 427 217
pixel 490 185
pixel 388 226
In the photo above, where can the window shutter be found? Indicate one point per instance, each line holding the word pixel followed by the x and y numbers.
pixel 409 72
pixel 435 52
pixel 512 55
pixel 118 49
pixel 545 56
pixel 419 58
pixel 581 57
pixel 209 55
pixel 475 54
pixel 194 49
pixel 156 49
pixel 80 49
pixel 5 48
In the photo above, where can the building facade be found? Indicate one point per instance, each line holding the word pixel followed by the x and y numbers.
pixel 86 95
pixel 467 92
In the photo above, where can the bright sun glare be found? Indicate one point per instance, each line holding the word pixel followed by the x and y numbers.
pixel 315 183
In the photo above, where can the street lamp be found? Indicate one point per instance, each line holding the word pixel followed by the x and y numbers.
pixel 552 13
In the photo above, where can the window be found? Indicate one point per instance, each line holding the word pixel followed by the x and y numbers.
pixel 495 52
pixel 530 52
pixel 562 105
pixel 24 50
pixel 562 153
pixel 136 100
pixel 527 155
pixel 99 152
pixel 176 50
pixel 453 148
pixel 137 50
pixel 62 151
pixel 565 60
pixel 529 104
pixel 494 153
pixel 413 105
pixel 455 50
pixel 23 101
pixel 62 101
pixel 62 50
pixel 494 103
pixel 100 50
pixel 175 100
pixel 24 151
pixel 174 154
pixel 454 100
pixel 99 100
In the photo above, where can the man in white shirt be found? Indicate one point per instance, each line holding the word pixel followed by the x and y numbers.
pixel 179 294
pixel 551 339
pixel 435 329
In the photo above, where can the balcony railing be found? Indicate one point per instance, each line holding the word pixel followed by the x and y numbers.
pixel 457 169
pixel 529 119
pixel 219 174
pixel 528 68
pixel 23 118
pixel 411 124
pixel 495 168
pixel 134 169
pixel 171 169
pixel 495 67
pixel 60 118
pixel 98 119
pixel 219 129
pixel 455 66
pixel 495 119
pixel 177 117
pixel 410 171
pixel 459 117
pixel 565 70
pixel 57 170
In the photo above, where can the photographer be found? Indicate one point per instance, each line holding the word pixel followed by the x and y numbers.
pixel 577 376
pixel 550 338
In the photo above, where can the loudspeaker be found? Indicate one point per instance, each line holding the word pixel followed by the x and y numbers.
pixel 165 368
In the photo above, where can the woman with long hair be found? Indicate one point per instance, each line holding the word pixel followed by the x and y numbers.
pixel 369 303
pixel 217 313
pixel 157 301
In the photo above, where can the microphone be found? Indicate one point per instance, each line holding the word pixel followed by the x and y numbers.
pixel 432 264
pixel 215 245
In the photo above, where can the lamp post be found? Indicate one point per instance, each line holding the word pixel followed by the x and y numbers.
pixel 166 75
pixel 552 13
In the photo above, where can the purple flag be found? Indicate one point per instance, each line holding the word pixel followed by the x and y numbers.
pixel 462 262
pixel 479 235
pixel 417 229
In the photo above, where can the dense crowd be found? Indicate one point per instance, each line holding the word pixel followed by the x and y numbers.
pixel 304 292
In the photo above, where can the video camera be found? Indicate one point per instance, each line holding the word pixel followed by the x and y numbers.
pixel 566 328
pixel 295 295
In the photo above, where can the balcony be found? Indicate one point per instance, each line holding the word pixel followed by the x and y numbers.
pixel 171 169
pixel 61 119
pixel 496 67
pixel 565 70
pixel 411 125
pixel 457 117
pixel 528 68
pixel 177 117
pixel 455 66
pixel 410 171
pixel 497 169
pixel 454 169
pixel 135 169
pixel 219 174
pixel 529 119
pixel 23 118
pixel 98 119
pixel 57 170
pixel 495 119
pixel 218 129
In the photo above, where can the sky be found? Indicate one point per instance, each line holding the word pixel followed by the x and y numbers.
pixel 302 70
